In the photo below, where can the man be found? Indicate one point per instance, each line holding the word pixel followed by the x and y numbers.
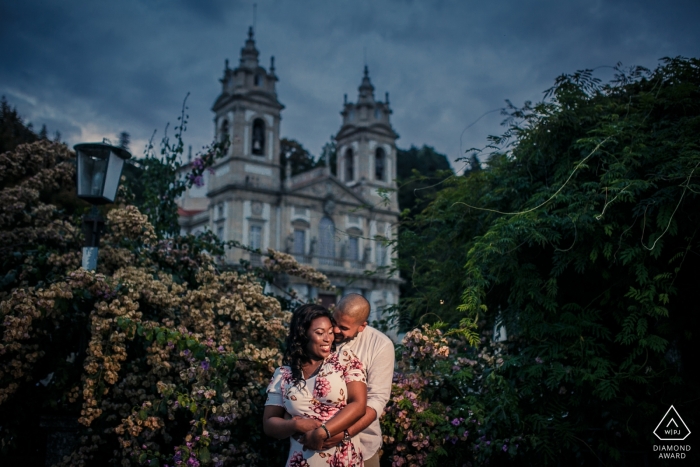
pixel 376 351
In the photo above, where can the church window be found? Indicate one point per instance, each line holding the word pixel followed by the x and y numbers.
pixel 379 164
pixel 299 241
pixel 353 248
pixel 258 137
pixel 220 233
pixel 351 115
pixel 258 80
pixel 255 235
pixel 376 114
pixel 349 166
pixel 327 238
pixel 223 133
pixel 381 250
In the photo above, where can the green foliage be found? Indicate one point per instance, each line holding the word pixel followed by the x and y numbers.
pixel 418 174
pixel 579 237
pixel 450 404
pixel 299 158
pixel 13 130
pixel 162 178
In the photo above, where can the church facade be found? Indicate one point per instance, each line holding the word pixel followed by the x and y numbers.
pixel 342 225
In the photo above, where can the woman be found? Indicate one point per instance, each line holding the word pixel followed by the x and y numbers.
pixel 325 392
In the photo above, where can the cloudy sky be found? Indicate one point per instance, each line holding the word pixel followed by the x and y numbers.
pixel 91 69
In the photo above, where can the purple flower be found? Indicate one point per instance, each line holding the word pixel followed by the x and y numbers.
pixel 539 360
pixel 455 422
pixel 205 365
pixel 505 447
pixel 488 443
pixel 198 163
pixel 198 181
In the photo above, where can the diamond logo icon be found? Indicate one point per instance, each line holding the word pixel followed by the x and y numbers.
pixel 672 427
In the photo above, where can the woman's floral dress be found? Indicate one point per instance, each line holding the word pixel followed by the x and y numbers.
pixel 320 398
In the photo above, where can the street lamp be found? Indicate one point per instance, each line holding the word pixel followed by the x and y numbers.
pixel 99 170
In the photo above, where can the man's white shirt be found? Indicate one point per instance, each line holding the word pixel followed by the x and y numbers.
pixel 376 351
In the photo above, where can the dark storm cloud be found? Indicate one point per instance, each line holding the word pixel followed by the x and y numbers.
pixel 92 69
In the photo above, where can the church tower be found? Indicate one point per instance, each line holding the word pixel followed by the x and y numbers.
pixel 245 185
pixel 247 114
pixel 366 142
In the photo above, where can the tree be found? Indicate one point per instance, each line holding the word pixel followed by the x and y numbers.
pixel 579 239
pixel 299 158
pixel 473 164
pixel 124 140
pixel 44 133
pixel 13 130
pixel 420 174
pixel 418 171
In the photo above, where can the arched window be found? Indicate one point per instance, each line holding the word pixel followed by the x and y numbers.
pixel 353 249
pixel 349 167
pixel 326 233
pixel 258 137
pixel 223 131
pixel 379 164
pixel 258 80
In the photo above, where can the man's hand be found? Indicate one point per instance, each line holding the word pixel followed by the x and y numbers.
pixel 333 441
pixel 313 439
pixel 303 424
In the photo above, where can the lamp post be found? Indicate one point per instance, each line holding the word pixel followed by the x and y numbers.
pixel 99 170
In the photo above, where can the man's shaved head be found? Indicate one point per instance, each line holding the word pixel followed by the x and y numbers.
pixel 354 306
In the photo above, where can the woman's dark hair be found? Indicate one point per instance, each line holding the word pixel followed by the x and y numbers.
pixel 295 344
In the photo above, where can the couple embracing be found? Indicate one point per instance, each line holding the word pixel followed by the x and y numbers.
pixel 332 389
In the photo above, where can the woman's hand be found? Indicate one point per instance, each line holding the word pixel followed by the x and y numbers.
pixel 313 439
pixel 303 424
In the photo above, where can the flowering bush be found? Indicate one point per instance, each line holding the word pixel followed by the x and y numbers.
pixel 162 354
pixel 442 406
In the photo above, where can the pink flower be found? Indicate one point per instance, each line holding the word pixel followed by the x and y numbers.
pixel 322 387
pixel 298 460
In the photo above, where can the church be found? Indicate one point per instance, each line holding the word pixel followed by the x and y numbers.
pixel 341 225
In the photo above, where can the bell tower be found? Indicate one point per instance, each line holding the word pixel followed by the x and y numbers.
pixel 366 143
pixel 247 114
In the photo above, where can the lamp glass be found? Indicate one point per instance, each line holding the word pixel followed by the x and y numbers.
pixel 99 170
pixel 92 169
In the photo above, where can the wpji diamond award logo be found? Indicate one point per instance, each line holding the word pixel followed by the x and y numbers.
pixel 672 428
